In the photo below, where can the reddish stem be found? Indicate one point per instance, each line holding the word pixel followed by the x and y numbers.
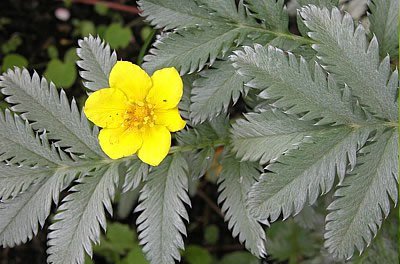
pixel 111 5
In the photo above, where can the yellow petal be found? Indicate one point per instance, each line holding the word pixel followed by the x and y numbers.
pixel 130 79
pixel 119 142
pixel 106 107
pixel 167 89
pixel 170 118
pixel 156 144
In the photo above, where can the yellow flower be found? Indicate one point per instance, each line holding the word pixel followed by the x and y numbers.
pixel 138 112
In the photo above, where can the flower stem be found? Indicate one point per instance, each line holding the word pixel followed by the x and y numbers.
pixel 213 144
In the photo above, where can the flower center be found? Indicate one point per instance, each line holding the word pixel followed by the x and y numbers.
pixel 139 115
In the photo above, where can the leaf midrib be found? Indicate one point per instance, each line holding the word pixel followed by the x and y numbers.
pixel 55 119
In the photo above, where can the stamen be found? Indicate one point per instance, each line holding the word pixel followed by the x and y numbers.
pixel 139 116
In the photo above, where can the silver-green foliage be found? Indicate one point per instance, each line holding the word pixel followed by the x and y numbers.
pixel 214 91
pixel 235 180
pixel 331 123
pixel 265 136
pixel 204 137
pixel 42 151
pixel 40 102
pixel 194 45
pixel 289 82
pixel 364 200
pixel 22 215
pixel 162 203
pixel 272 12
pixel 349 116
pixel 96 62
pixel 80 216
pixel 345 52
pixel 383 19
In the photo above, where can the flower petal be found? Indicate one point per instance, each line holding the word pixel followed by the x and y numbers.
pixel 167 89
pixel 106 107
pixel 120 142
pixel 130 79
pixel 170 118
pixel 156 144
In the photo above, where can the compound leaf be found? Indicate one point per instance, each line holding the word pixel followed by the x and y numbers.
pixel 39 101
pixel 20 144
pixel 78 220
pixel 135 173
pixel 169 14
pixel 364 198
pixel 268 135
pixel 162 202
pixel 290 84
pixel 345 52
pixel 21 216
pixel 384 20
pixel 235 181
pixel 213 92
pixel 301 175
pixel 96 62
pixel 272 12
pixel 189 50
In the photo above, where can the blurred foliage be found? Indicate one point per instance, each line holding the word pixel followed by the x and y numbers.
pixel 11 60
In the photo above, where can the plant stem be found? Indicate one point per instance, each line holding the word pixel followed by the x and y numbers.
pixel 145 46
pixel 214 144
pixel 111 5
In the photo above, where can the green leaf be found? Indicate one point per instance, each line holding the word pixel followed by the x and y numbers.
pixel 384 24
pixel 13 42
pixel 135 256
pixel 62 74
pixel 288 242
pixel 13 60
pixel 213 92
pixel 268 135
pixel 293 87
pixel 41 103
pixel 52 52
pixel 235 181
pixel 121 237
pixel 162 203
pixel 301 175
pixel 363 201
pixel 169 14
pixel 197 255
pixel 346 54
pixel 84 28
pixel 211 234
pixel 239 257
pixel 79 218
pixel 118 36
pixel 22 216
pixel 101 8
pixel 70 56
pixel 96 62
pixel 272 12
